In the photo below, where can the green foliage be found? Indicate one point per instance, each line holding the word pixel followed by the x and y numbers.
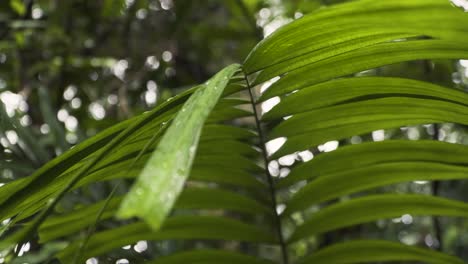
pixel 174 157
pixel 202 162
pixel 376 250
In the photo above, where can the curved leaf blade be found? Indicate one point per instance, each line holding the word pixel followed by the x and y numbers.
pixel 296 42
pixel 152 197
pixel 363 251
pixel 209 256
pixel 356 211
pixel 176 228
pixel 348 182
pixel 337 122
pixel 190 198
pixel 357 156
pixel 342 91
pixel 364 59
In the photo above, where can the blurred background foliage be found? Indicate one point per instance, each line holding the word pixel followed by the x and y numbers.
pixel 69 69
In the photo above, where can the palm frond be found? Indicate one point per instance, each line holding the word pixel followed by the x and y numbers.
pixel 205 175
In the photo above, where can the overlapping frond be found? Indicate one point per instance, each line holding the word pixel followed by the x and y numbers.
pixel 201 175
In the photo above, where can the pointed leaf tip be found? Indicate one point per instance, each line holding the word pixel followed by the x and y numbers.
pixel 162 179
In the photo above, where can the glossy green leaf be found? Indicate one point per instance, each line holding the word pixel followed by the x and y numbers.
pixel 161 180
pixel 217 131
pixel 232 160
pixel 211 198
pixel 226 114
pixel 227 146
pixel 351 181
pixel 230 176
pixel 191 198
pixel 342 91
pixel 235 87
pixel 227 109
pixel 175 228
pixel 339 44
pixel 337 122
pixel 209 256
pixel 394 108
pixel 315 36
pixel 353 157
pixel 61 225
pixel 364 59
pixel 375 207
pixel 308 55
pixel 364 251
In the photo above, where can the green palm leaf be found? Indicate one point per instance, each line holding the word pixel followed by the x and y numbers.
pixel 356 211
pixel 200 162
pixel 210 257
pixel 376 250
pixel 178 228
pixel 174 156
